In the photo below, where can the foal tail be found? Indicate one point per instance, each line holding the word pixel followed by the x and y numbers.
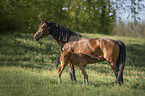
pixel 121 62
pixel 57 60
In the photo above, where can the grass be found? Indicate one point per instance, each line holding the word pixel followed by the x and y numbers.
pixel 27 68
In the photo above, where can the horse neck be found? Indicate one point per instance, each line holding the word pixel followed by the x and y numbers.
pixel 64 36
pixel 60 43
pixel 54 35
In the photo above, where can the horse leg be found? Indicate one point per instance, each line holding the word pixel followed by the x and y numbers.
pixel 120 74
pixel 60 72
pixel 57 60
pixel 114 68
pixel 72 72
pixel 122 78
pixel 84 74
pixel 118 70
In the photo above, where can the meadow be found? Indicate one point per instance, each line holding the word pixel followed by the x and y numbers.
pixel 27 68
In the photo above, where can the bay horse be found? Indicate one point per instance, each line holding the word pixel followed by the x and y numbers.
pixel 79 59
pixel 113 51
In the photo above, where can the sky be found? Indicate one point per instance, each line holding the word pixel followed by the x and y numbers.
pixel 124 15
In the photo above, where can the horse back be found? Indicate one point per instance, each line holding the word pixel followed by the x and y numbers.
pixel 81 46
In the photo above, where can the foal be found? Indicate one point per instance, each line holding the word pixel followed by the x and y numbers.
pixel 78 59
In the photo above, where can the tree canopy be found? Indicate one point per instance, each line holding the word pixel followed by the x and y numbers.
pixel 93 16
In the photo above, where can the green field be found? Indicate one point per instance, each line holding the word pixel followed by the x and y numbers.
pixel 27 68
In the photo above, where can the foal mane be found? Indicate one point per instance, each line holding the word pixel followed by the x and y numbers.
pixel 64 34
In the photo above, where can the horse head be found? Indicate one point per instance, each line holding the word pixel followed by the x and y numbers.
pixel 44 30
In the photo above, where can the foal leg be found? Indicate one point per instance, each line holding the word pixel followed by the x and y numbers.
pixel 72 72
pixel 60 72
pixel 84 74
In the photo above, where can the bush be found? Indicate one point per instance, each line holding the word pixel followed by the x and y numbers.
pixel 136 30
pixel 17 15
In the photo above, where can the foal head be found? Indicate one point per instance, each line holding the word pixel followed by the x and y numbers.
pixel 44 30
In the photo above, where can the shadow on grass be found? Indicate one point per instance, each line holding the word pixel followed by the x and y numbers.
pixel 99 67
pixel 136 55
pixel 16 53
pixel 98 83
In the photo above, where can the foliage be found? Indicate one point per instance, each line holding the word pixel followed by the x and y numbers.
pixel 78 15
pixel 91 16
pixel 28 68
pixel 17 14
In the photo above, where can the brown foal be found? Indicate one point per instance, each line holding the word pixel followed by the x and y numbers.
pixel 78 59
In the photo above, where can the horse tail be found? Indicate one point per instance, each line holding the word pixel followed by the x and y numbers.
pixel 121 62
pixel 57 60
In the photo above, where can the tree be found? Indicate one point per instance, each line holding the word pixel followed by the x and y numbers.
pixel 133 7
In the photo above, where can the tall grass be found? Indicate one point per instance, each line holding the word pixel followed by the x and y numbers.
pixel 27 68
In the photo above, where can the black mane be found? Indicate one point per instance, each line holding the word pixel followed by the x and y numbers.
pixel 64 34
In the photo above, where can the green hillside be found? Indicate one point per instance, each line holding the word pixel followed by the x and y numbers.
pixel 27 68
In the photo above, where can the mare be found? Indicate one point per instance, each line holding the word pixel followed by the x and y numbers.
pixel 79 59
pixel 62 35
pixel 113 51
